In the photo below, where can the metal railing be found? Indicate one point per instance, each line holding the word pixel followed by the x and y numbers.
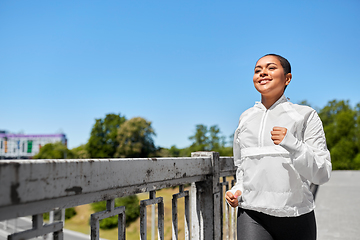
pixel 33 187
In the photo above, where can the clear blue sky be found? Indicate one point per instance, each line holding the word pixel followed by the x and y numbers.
pixel 176 63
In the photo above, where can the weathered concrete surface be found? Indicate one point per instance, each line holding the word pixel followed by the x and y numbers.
pixel 338 207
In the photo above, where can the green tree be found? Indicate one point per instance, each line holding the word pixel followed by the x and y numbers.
pixel 357 129
pixel 132 211
pixel 135 138
pixel 174 151
pixel 204 139
pixel 215 142
pixel 341 126
pixel 305 102
pixel 69 213
pixel 200 139
pixel 207 139
pixel 54 151
pixel 80 152
pixel 103 139
pixel 162 152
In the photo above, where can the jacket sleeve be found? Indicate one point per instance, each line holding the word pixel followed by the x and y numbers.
pixel 237 162
pixel 310 157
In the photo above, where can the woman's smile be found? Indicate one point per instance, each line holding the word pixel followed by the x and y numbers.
pixel 264 81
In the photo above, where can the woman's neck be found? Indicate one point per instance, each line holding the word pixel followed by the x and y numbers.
pixel 268 101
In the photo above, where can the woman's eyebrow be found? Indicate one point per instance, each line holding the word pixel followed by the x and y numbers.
pixel 258 66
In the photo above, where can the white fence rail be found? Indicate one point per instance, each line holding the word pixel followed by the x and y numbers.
pixel 33 187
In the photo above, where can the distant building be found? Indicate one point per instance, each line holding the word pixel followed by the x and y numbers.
pixel 25 146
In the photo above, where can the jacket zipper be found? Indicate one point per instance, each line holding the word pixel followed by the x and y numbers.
pixel 261 131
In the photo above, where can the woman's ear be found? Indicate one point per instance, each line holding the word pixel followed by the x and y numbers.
pixel 288 78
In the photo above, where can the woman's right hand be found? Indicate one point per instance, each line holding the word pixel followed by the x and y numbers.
pixel 233 199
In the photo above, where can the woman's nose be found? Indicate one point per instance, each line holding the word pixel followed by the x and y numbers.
pixel 263 73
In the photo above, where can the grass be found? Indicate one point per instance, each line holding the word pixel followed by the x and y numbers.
pixel 80 222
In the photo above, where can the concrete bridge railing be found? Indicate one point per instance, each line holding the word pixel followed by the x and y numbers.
pixel 33 187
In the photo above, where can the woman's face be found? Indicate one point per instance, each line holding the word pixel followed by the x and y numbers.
pixel 269 78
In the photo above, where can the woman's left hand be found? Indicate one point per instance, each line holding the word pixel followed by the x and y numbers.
pixel 278 134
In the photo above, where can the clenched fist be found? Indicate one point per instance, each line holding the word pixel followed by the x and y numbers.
pixel 278 134
pixel 233 199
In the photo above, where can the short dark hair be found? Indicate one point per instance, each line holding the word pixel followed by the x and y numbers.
pixel 283 61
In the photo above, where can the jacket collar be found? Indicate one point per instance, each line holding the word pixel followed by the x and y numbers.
pixel 282 99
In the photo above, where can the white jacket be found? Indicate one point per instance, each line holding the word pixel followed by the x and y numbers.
pixel 275 179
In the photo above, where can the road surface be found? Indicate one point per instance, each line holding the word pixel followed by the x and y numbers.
pixel 338 207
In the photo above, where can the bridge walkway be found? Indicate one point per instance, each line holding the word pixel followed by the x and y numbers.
pixel 338 207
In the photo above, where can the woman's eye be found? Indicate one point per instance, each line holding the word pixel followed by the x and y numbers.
pixel 257 71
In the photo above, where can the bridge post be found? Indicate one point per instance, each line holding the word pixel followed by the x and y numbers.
pixel 206 208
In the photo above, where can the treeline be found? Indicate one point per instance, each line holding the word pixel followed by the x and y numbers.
pixel 204 139
pixel 114 136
